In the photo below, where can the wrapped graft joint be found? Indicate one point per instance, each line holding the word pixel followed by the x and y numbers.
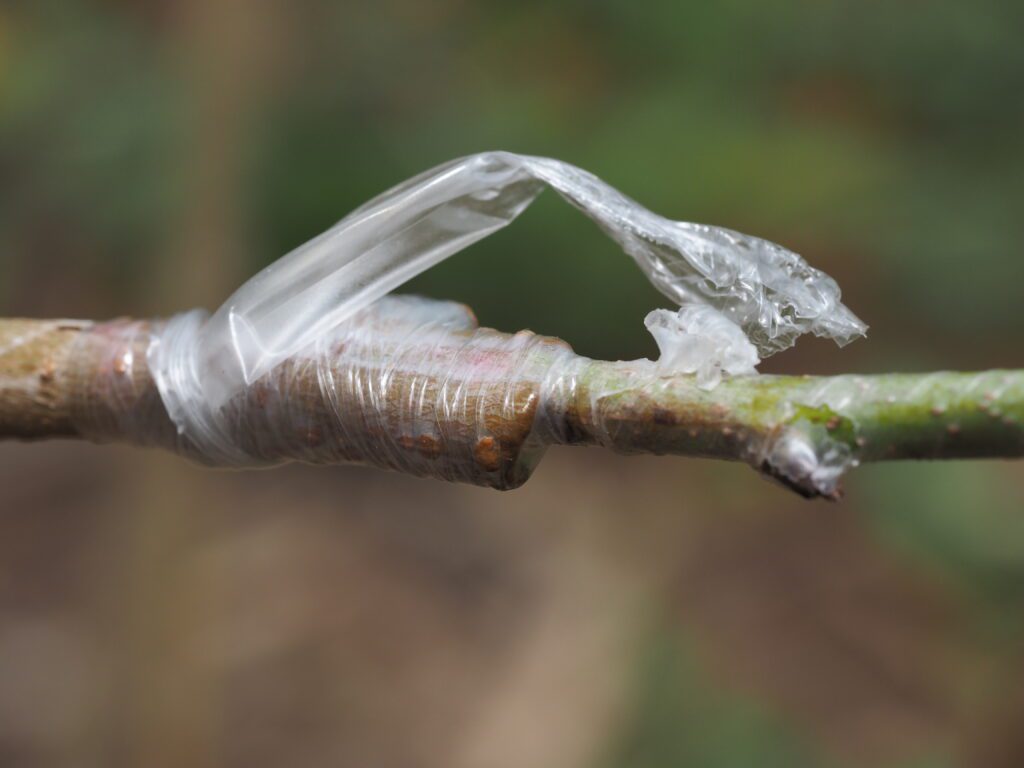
pixel 739 296
pixel 312 361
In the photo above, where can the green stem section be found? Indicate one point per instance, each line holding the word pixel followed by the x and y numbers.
pixel 803 430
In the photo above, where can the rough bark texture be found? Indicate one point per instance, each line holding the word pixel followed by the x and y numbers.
pixel 35 400
pixel 486 404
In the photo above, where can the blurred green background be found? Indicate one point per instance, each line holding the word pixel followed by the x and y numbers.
pixel 615 611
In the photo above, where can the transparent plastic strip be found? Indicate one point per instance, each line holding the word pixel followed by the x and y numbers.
pixel 740 297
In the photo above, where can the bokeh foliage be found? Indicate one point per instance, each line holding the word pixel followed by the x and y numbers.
pixel 884 140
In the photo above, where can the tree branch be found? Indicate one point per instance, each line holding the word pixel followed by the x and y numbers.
pixel 479 406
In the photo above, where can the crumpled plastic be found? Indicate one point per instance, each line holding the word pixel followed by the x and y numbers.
pixel 741 298
pixel 701 340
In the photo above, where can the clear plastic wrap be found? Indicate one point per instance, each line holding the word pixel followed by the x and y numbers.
pixel 699 339
pixel 408 383
pixel 741 297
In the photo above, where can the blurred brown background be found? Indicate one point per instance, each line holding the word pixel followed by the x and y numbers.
pixel 614 611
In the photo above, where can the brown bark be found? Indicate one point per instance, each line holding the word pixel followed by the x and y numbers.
pixel 35 400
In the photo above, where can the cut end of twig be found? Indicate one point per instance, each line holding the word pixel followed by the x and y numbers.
pixel 810 454
pixel 804 487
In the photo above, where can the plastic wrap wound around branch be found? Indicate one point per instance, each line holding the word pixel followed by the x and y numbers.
pixel 742 286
